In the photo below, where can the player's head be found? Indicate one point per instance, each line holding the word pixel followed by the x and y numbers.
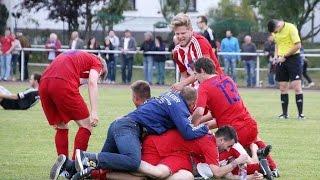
pixel 140 92
pixel 190 96
pixel 181 25
pixel 226 136
pixel 35 80
pixel 203 67
pixel 202 22
pixel 274 25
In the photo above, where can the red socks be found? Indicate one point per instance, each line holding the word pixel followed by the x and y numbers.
pixel 61 140
pixel 272 164
pixel 81 140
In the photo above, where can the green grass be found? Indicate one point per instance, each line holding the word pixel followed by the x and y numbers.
pixel 27 148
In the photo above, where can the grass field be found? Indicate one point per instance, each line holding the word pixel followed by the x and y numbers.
pixel 27 149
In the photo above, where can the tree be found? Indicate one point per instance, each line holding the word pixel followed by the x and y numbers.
pixel 230 16
pixel 4 14
pixel 298 12
pixel 169 8
pixel 111 14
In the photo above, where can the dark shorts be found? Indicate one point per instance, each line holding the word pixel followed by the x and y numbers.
pixel 289 70
pixel 10 104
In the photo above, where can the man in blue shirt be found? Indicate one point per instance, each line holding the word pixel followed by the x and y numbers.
pixel 230 44
pixel 122 149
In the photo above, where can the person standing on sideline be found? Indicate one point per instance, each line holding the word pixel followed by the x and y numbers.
pixel 305 74
pixel 148 45
pixel 93 44
pixel 54 44
pixel 24 44
pixel 288 70
pixel 230 44
pixel 249 61
pixel 75 41
pixel 269 47
pixel 207 32
pixel 127 43
pixel 7 45
pixel 160 60
pixel 15 56
pixel 111 63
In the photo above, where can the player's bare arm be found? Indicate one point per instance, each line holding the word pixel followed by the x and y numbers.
pixel 197 116
pixel 93 95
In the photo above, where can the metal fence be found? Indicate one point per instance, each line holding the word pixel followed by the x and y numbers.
pixel 258 54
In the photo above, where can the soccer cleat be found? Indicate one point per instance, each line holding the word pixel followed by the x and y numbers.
pixel 84 160
pixel 265 169
pixel 57 167
pixel 301 117
pixel 85 173
pixel 310 85
pixel 264 152
pixel 275 173
pixel 283 116
pixel 65 174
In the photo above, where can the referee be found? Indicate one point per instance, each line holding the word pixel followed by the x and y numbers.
pixel 288 68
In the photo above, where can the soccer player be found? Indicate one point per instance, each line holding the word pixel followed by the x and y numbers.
pixel 191 46
pixel 61 100
pixel 22 100
pixel 287 57
pixel 122 149
pixel 219 94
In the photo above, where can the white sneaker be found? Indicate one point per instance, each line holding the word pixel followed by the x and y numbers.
pixel 311 84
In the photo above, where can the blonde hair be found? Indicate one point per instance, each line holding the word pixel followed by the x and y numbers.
pixel 181 19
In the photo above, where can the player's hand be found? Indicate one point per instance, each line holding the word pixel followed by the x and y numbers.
pixel 242 159
pixel 253 147
pixel 177 86
pixel 281 59
pixel 94 119
pixel 255 176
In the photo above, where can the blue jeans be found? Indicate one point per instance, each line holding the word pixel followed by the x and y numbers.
pixel 160 66
pixel 271 75
pixel 111 70
pixel 126 68
pixel 250 66
pixel 14 61
pixel 230 64
pixel 148 68
pixel 5 66
pixel 122 149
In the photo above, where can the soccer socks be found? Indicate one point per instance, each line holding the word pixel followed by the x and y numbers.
pixel 284 103
pixel 299 102
pixel 61 141
pixel 272 164
pixel 81 140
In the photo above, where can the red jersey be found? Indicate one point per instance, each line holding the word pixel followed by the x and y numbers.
pixel 220 95
pixel 172 142
pixel 6 43
pixel 71 66
pixel 197 48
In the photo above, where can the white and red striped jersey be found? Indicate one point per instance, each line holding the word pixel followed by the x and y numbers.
pixel 198 47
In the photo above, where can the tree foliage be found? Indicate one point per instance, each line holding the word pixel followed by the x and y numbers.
pixel 298 12
pixel 4 14
pixel 169 8
pixel 231 16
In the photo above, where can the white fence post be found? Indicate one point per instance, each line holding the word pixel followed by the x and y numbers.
pixel 258 71
pixel 22 65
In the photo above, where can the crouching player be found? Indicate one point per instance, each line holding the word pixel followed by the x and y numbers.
pixel 22 100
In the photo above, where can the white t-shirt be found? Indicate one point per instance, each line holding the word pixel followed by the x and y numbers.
pixel 126 43
pixel 73 45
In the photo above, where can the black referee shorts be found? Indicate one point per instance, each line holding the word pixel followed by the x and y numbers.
pixel 290 69
pixel 10 104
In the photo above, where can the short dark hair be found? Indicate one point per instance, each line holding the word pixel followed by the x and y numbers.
pixel 206 64
pixel 127 30
pixel 141 89
pixel 37 77
pixel 203 19
pixel 189 94
pixel 228 133
pixel 272 24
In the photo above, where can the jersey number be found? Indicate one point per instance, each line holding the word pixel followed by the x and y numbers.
pixel 229 90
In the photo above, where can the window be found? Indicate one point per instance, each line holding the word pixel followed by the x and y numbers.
pixel 192 6
pixel 182 3
pixel 131 6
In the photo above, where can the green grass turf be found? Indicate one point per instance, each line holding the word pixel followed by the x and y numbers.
pixel 27 148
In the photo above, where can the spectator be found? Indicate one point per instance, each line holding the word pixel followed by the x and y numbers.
pixel 75 41
pixel 269 47
pixel 305 69
pixel 127 43
pixel 7 45
pixel 159 60
pixel 15 56
pixel 230 44
pixel 93 45
pixel 111 63
pixel 114 39
pixel 148 45
pixel 207 32
pixel 249 61
pixel 24 44
pixel 54 44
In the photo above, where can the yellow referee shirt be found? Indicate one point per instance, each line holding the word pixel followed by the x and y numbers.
pixel 286 38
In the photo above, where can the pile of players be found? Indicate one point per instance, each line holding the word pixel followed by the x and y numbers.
pixel 165 137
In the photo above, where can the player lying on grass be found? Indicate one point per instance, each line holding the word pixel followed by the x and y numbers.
pixel 22 100
pixel 219 94
pixel 122 148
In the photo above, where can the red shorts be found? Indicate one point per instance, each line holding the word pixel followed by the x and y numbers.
pixel 175 160
pixel 247 135
pixel 61 102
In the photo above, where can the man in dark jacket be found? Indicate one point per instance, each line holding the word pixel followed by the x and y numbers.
pixel 249 61
pixel 148 45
